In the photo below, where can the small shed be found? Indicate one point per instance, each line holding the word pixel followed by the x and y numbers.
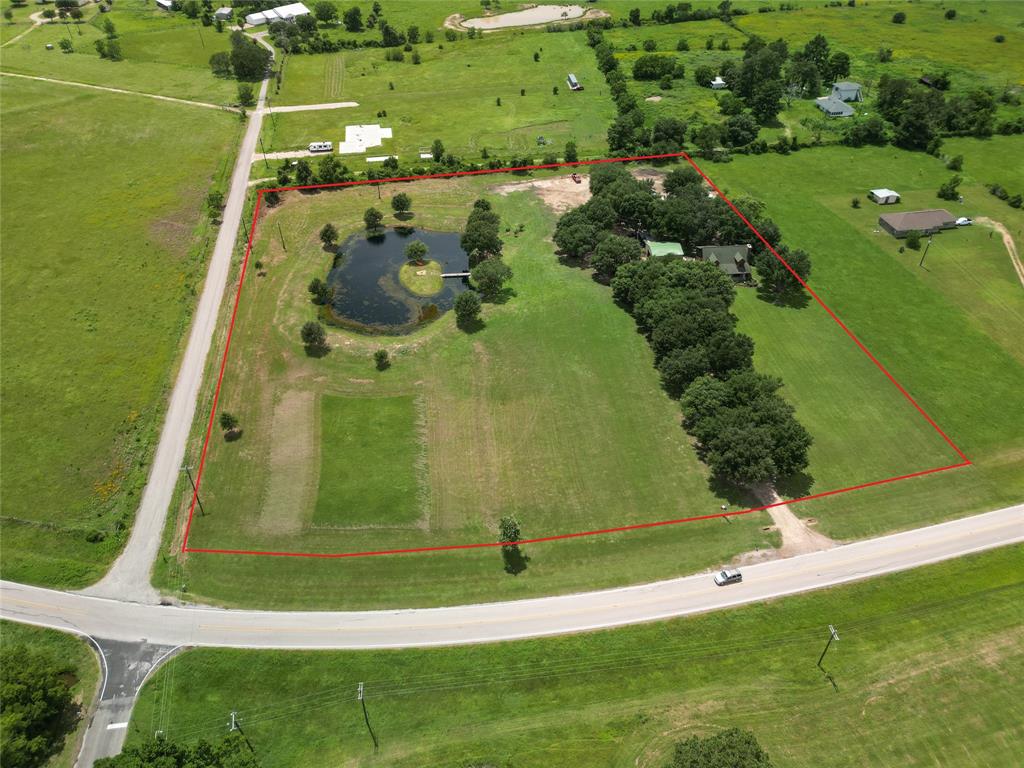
pixel 733 260
pixel 718 83
pixel 927 222
pixel 165 4
pixel 574 84
pixel 846 91
pixel 833 107
pixel 224 14
pixel 655 248
pixel 883 196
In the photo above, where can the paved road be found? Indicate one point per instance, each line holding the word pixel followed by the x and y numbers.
pixel 129 578
pixel 201 626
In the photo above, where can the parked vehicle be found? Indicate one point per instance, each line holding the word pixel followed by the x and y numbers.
pixel 321 146
pixel 963 221
pixel 576 178
pixel 728 576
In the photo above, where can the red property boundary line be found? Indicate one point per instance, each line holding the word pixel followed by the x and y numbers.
pixel 964 461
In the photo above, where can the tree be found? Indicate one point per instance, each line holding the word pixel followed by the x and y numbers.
pixel 612 252
pixel 731 748
pixel 653 66
pixel 328 235
pixel 327 13
pixel 109 29
pixel 330 170
pixel 214 203
pixel 575 235
pixel 353 19
pixel 571 153
pixel 382 359
pixel 37 704
pixel 634 17
pixel 65 44
pixel 509 531
pixel 220 63
pixel 775 275
pixel 490 275
pixel 740 130
pixel 313 335
pixel 899 17
pixel 467 308
pixel 372 218
pixel 681 367
pixel 950 14
pixel 416 251
pixel 320 292
pixel 437 150
pixel 481 234
pixel 948 191
pixel 913 239
pixel 228 421
pixel 233 751
pixel 401 203
pixel 766 101
pixel 249 60
pixel 9 15
pixel 703 75
pixel 245 95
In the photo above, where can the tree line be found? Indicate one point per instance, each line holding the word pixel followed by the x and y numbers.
pixel 745 431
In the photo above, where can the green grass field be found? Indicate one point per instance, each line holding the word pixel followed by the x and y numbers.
pixel 928 670
pixel 370 465
pixel 949 333
pixel 165 54
pixel 451 96
pixel 104 244
pixel 84 680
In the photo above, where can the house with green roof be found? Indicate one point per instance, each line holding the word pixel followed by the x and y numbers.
pixel 659 248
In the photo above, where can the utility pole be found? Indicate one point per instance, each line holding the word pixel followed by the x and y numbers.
pixel 832 635
pixel 926 247
pixel 366 717
pixel 234 723
pixel 264 153
pixel 188 471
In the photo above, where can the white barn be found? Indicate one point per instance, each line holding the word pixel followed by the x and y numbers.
pixel 718 83
pixel 281 13
pixel 224 13
pixel 884 196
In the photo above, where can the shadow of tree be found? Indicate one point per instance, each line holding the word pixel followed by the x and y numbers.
pixel 317 350
pixel 501 296
pixel 792 299
pixel 471 326
pixel 233 435
pixel 795 486
pixel 514 559
pixel 404 215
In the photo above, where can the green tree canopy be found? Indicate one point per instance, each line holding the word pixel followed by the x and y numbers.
pixel 467 308
pixel 732 748
pixel 36 704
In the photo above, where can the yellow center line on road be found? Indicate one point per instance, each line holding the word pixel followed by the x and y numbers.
pixel 888 554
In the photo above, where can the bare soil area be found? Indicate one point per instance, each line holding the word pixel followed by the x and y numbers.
pixel 1011 247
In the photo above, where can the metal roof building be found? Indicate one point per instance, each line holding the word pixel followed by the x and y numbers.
pixel 833 107
pixel 926 222
pixel 281 13
pixel 733 260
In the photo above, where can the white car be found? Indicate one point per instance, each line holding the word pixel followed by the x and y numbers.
pixel 728 576
pixel 963 221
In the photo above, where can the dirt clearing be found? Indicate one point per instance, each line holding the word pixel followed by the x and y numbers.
pixel 1011 247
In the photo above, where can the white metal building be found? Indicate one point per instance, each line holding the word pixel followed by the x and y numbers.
pixel 281 13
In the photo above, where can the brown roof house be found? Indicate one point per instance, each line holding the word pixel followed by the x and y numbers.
pixel 733 260
pixel 926 222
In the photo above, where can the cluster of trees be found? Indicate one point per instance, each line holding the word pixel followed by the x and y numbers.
pixel 480 237
pixel 37 704
pixel 628 134
pixel 1014 201
pixel 231 752
pixel 247 60
pixel 109 48
pixel 919 114
pixel 488 272
pixel 675 13
pixel 731 748
pixel 746 432
pixel 329 170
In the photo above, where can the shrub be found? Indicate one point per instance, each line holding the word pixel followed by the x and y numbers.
pixel 899 17
pixel 650 45
pixel 914 240
pixel 653 67
pixel 951 14
pixel 955 163
pixel 381 358
pixel 855 203
pixel 1000 38
pixel 1015 201
pixel 682 45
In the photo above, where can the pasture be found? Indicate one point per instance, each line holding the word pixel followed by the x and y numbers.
pixel 451 96
pixel 100 272
pixel 949 332
pixel 929 662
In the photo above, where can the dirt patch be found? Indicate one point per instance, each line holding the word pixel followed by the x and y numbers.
pixel 1011 246
pixel 652 175
pixel 560 194
pixel 653 98
pixel 798 537
pixel 294 466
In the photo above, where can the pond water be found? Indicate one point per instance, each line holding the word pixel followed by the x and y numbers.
pixel 367 293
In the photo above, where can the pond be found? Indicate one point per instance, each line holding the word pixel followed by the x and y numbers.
pixel 368 295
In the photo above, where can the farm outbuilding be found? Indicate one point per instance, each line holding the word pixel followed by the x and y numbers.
pixel 658 248
pixel 733 260
pixel 718 83
pixel 833 107
pixel 846 91
pixel 574 84
pixel 224 14
pixel 883 196
pixel 926 222
pixel 166 5
pixel 281 13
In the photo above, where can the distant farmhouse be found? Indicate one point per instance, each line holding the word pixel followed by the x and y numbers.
pixel 926 222
pixel 224 13
pixel 733 260
pixel 883 196
pixel 574 84
pixel 281 13
pixel 846 91
pixel 833 107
